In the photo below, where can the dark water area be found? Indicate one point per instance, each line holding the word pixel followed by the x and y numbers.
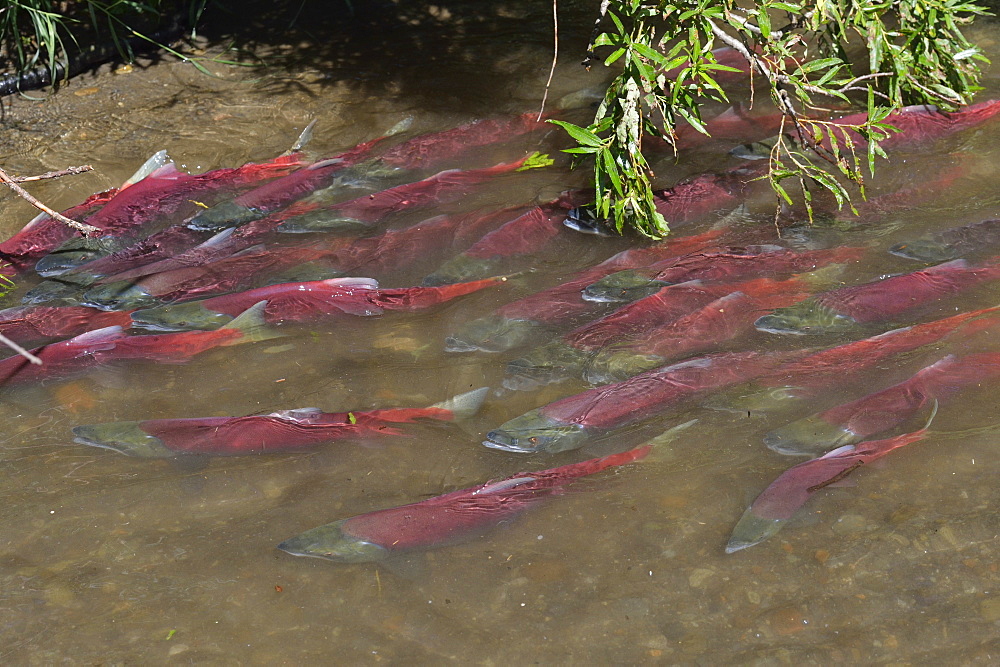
pixel 107 558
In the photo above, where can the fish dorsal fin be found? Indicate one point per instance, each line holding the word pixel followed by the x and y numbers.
pixel 297 415
pixel 329 162
pixel 100 335
pixel 157 161
pixel 953 264
pixel 355 283
pixel 219 238
pixel 504 485
pixel 304 138
pixel 464 405
pixel 846 449
pixel 253 325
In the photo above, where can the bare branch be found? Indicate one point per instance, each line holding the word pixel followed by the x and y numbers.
pixel 20 350
pixel 555 55
pixel 87 230
pixel 68 171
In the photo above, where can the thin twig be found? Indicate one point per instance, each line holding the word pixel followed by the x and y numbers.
pixel 87 230
pixel 555 56
pixel 20 350
pixel 68 171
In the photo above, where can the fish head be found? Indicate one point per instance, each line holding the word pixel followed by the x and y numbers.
pixel 924 250
pixel 75 252
pixel 811 436
pixel 808 317
pixel 53 292
pixel 460 269
pixel 321 221
pixel 223 216
pixel 622 287
pixel 752 529
pixel 611 365
pixel 584 219
pixel 535 432
pixel 754 399
pixel 332 543
pixel 544 365
pixel 123 437
pixel 493 333
pixel 179 317
pixel 120 295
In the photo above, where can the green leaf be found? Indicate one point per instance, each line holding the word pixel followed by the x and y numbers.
pixel 536 161
pixel 581 134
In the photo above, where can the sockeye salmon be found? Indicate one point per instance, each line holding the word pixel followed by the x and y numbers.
pixel 854 421
pixel 283 431
pixel 442 519
pixel 303 301
pixel 719 265
pixel 569 355
pixel 719 321
pixel 520 321
pixel 880 300
pixel 951 243
pixel 790 491
pixel 569 422
pixel 94 348
pixel 518 237
pixel 34 324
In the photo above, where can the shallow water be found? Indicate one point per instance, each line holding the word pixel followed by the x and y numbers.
pixel 104 558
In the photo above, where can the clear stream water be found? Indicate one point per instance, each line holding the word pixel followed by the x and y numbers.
pixel 107 559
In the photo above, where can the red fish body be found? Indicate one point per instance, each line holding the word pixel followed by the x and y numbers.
pixel 521 236
pixel 695 198
pixel 512 324
pixel 43 233
pixel 732 125
pixel 790 491
pixel 441 188
pixel 430 150
pixel 303 301
pixel 922 124
pixel 718 322
pixel 283 431
pixel 27 324
pixel 441 519
pixel 567 423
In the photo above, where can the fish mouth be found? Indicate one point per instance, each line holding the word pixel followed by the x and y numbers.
pixel 53 292
pixel 492 333
pixel 331 542
pixel 534 432
pixel 121 295
pixel 924 251
pixel 806 318
pixel 811 436
pixel 126 438
pixel 622 287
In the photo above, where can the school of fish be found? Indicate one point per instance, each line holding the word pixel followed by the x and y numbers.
pixel 728 313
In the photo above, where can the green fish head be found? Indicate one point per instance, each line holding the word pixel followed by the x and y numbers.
pixel 492 333
pixel 223 216
pixel 321 221
pixel 611 365
pixel 622 287
pixel 752 529
pixel 73 253
pixel 533 432
pixel 459 269
pixel 53 292
pixel 753 399
pixel 811 436
pixel 179 317
pixel 806 318
pixel 123 437
pixel 121 295
pixel 924 250
pixel 544 365
pixel 330 542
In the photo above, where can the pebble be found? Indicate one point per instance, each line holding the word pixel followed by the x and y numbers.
pixel 990 610
pixel 849 524
pixel 700 576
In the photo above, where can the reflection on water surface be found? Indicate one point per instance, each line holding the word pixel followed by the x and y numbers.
pixel 105 557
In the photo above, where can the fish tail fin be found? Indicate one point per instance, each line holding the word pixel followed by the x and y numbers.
pixel 464 405
pixel 304 138
pixel 659 446
pixel 252 325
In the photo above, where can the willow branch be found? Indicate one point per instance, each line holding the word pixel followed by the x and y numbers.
pixel 68 171
pixel 555 56
pixel 87 230
pixel 20 350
